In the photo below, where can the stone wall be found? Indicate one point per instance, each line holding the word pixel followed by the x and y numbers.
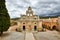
pixel 58 23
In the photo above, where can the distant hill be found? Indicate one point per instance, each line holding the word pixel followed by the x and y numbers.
pixel 45 17
pixel 15 18
pixel 54 14
pixel 51 15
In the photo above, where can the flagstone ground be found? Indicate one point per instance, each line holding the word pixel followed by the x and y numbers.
pixel 48 35
pixel 30 35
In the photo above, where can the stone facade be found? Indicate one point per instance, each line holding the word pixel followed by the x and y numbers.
pixel 50 23
pixel 58 23
pixel 30 21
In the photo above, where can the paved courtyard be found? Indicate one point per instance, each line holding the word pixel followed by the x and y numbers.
pixel 29 36
pixel 12 36
pixel 48 35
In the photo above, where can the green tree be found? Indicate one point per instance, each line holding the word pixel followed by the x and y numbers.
pixel 4 17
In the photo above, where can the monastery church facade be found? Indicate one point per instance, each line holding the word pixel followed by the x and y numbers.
pixel 30 21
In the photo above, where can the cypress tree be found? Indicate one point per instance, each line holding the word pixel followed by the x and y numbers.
pixel 4 17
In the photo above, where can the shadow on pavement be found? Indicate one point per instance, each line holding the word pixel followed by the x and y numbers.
pixel 5 34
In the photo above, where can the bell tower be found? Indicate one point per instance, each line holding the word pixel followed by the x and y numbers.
pixel 29 11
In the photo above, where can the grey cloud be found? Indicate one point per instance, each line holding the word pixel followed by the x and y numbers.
pixel 39 6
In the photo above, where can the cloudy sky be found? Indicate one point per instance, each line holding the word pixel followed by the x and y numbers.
pixel 18 7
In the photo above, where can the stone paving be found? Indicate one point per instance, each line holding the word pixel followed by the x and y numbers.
pixel 29 36
pixel 48 35
pixel 12 36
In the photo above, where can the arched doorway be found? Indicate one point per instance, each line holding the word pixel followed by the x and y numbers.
pixel 54 27
pixel 23 27
pixel 35 27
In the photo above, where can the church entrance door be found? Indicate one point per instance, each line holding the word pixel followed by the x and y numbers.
pixel 35 27
pixel 23 27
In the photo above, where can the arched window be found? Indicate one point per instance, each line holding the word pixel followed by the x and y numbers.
pixel 23 23
pixel 30 14
pixel 35 23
